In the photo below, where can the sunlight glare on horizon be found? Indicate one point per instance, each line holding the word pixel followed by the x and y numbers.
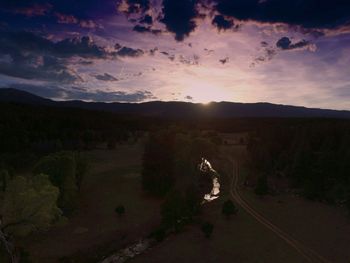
pixel 206 93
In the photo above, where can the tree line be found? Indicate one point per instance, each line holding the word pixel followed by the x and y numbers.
pixel 313 155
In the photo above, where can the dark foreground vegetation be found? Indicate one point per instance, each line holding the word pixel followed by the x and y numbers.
pixel 313 156
pixel 42 166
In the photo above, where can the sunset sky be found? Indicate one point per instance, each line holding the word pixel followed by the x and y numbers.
pixel 287 52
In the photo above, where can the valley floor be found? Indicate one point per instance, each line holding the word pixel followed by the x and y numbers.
pixel 96 230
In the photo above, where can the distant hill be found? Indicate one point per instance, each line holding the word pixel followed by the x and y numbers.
pixel 20 96
pixel 179 109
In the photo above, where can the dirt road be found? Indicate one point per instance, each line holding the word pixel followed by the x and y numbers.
pixel 308 254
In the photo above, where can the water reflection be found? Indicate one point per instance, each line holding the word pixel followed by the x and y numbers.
pixel 206 168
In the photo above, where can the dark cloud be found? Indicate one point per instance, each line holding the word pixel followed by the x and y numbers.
pixel 188 97
pixel 179 17
pixel 83 93
pixel 39 73
pixel 313 17
pixel 221 23
pixel 168 55
pixel 153 51
pixel 268 52
pixel 38 68
pixel 208 51
pixel 106 77
pixel 28 56
pixel 147 19
pixel 129 52
pixel 286 44
pixel 224 60
pixel 18 42
pixel 138 74
pixel 267 55
pixel 264 43
pixel 318 14
pixel 165 53
pixel 22 42
pixel 143 29
pixel 82 47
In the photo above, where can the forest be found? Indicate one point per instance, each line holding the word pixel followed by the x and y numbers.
pixel 314 156
pixel 42 166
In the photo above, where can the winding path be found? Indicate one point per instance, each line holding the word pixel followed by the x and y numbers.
pixel 307 253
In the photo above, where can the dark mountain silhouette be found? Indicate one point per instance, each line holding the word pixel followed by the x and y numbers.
pixel 20 96
pixel 178 109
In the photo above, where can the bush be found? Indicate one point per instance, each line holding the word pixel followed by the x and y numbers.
pixel 158 234
pixel 29 200
pixel 207 229
pixel 120 210
pixel 174 210
pixel 262 186
pixel 24 256
pixel 228 208
pixel 66 171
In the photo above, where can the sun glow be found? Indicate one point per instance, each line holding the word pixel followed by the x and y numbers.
pixel 205 93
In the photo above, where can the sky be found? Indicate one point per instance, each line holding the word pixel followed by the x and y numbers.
pixel 286 52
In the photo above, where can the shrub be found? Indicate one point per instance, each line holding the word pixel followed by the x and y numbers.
pixel 66 171
pixel 228 208
pixel 207 229
pixel 158 234
pixel 262 186
pixel 120 210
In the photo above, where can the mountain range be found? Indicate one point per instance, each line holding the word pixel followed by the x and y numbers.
pixel 178 109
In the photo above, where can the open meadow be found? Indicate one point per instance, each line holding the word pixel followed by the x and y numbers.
pixel 96 230
pixel 241 238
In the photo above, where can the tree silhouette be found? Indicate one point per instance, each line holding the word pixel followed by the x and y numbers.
pixel 262 186
pixel 120 210
pixel 207 229
pixel 228 208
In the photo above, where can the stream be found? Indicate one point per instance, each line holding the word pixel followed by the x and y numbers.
pixel 206 169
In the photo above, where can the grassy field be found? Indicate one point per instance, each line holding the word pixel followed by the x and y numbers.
pixel 114 178
pixel 95 229
pixel 323 228
pixel 239 239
